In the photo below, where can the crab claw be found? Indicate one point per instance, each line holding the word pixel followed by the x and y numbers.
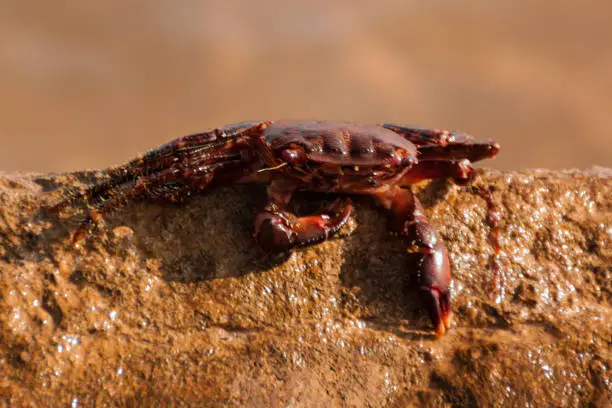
pixel 434 282
pixel 278 230
pixel 437 304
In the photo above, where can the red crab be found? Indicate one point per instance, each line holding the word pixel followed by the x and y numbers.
pixel 307 155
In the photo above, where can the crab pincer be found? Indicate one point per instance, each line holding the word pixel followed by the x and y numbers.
pixel 277 230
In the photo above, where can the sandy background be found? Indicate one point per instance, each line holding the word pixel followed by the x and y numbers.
pixel 91 84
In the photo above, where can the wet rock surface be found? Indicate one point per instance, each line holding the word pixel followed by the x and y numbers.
pixel 178 303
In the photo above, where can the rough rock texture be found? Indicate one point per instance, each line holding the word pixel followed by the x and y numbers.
pixel 178 304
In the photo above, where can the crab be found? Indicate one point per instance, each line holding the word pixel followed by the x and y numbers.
pixel 324 156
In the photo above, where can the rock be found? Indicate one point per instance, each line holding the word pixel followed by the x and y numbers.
pixel 178 304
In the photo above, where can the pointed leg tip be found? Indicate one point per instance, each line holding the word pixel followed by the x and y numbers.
pixel 444 325
pixel 448 320
pixel 75 238
pixel 495 148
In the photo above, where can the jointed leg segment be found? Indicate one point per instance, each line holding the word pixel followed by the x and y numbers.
pixel 445 145
pixel 434 269
pixel 171 172
pixel 461 171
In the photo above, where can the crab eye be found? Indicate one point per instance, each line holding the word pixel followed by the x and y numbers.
pixel 293 156
pixel 409 161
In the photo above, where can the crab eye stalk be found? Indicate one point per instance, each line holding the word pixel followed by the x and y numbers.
pixel 402 158
pixel 409 160
pixel 292 156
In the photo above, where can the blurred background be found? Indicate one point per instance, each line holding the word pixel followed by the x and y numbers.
pixel 90 84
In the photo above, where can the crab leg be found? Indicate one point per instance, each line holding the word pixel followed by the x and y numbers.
pixel 461 171
pixel 206 146
pixel 279 230
pixel 473 151
pixel 444 144
pixel 434 269
pixel 173 184
pixel 423 136
pixel 118 196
